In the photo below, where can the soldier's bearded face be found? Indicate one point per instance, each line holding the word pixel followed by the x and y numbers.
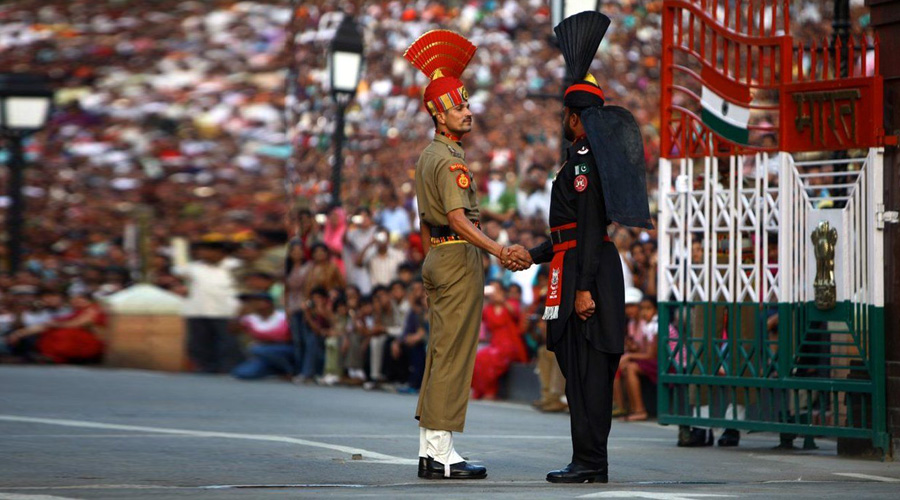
pixel 459 119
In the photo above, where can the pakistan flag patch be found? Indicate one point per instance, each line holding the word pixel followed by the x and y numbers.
pixel 582 169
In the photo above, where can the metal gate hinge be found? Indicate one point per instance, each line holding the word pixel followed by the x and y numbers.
pixel 882 216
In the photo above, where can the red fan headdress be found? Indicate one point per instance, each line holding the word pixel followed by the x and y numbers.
pixel 443 56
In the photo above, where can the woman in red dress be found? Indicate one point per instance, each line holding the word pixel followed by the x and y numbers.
pixel 501 319
pixel 71 338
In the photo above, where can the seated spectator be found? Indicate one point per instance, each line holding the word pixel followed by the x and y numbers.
pixel 263 282
pixel 406 273
pixel 634 332
pixel 319 322
pixel 501 320
pixel 642 361
pixel 71 338
pixel 333 342
pixel 271 352
pixel 408 351
pixel 357 341
pixel 388 325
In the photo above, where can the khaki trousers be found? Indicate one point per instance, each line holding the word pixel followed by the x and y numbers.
pixel 453 275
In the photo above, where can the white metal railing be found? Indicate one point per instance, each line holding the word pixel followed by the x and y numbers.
pixel 754 232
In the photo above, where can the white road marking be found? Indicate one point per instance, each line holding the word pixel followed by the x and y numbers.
pixel 100 487
pixel 857 475
pixel 95 436
pixel 17 496
pixel 370 455
pixel 653 495
pixel 415 436
pixel 412 436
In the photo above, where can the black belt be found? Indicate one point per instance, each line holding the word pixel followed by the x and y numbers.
pixel 565 233
pixel 447 232
pixel 562 236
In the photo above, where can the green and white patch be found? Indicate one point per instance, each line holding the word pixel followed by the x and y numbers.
pixel 582 169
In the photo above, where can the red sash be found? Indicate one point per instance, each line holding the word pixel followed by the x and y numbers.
pixel 554 287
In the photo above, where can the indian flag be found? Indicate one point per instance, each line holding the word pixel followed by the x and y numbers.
pixel 726 106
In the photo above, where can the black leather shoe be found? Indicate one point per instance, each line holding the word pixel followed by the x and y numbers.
pixel 462 470
pixel 696 437
pixel 731 437
pixel 574 473
pixel 422 466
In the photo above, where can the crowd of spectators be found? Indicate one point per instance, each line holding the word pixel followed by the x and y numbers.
pixel 171 123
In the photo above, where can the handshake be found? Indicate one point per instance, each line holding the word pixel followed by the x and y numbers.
pixel 515 258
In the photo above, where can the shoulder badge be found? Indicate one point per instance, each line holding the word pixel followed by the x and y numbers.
pixel 584 150
pixel 454 152
pixel 582 169
pixel 459 166
pixel 462 180
pixel 581 183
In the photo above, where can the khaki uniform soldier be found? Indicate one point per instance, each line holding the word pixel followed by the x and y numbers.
pixel 453 272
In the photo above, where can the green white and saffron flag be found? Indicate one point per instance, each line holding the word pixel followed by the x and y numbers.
pixel 725 106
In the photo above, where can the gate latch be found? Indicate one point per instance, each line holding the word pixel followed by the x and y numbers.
pixel 882 216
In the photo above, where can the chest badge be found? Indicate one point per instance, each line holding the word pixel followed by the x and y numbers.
pixel 462 180
pixel 584 150
pixel 581 183
pixel 582 169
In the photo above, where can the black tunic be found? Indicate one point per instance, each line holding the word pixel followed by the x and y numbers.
pixel 594 264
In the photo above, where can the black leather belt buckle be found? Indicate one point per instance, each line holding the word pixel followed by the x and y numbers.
pixel 562 236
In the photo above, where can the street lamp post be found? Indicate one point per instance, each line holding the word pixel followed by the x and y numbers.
pixel 25 101
pixel 561 9
pixel 345 60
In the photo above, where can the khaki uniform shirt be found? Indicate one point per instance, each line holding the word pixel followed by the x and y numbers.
pixel 444 183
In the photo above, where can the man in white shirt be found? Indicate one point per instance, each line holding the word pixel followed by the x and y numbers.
pixel 382 260
pixel 536 203
pixel 395 218
pixel 211 303
pixel 359 236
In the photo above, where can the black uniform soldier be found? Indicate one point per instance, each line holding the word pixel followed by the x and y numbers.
pixel 453 272
pixel 601 181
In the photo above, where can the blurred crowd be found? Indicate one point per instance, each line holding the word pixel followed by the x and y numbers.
pixel 171 124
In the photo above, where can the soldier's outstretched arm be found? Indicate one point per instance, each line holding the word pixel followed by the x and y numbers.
pixel 542 253
pixel 461 225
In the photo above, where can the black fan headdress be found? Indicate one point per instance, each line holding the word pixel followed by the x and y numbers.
pixel 612 132
pixel 579 37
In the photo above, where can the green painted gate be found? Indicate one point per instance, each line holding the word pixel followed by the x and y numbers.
pixel 748 348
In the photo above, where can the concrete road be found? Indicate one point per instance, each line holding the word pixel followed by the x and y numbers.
pixel 76 433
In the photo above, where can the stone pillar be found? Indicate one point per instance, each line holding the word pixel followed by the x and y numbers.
pixel 146 329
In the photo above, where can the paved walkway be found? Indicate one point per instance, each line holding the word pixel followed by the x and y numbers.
pixel 92 433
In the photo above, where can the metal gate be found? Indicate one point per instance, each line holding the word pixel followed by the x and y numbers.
pixel 735 258
pixel 770 260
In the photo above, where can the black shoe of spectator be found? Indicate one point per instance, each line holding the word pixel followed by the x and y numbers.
pixel 696 438
pixel 462 470
pixel 422 466
pixel 574 473
pixel 731 437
